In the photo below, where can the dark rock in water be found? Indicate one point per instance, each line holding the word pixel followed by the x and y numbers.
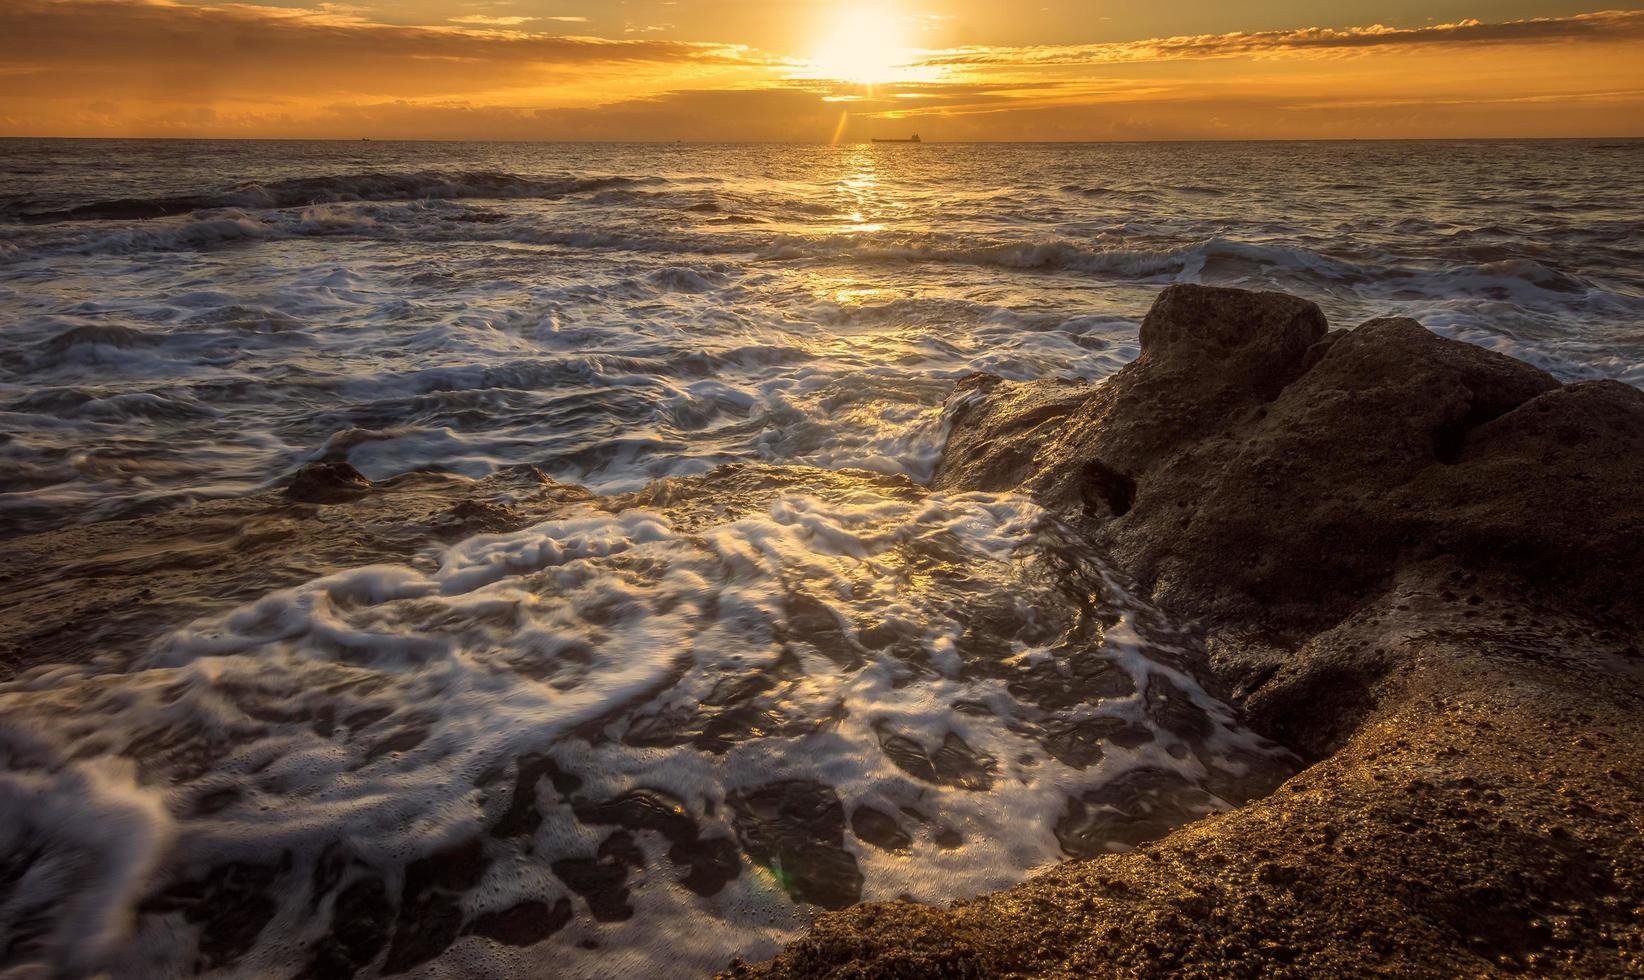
pixel 796 829
pixel 1141 805
pixel 431 916
pixel 522 817
pixel 1079 744
pixel 230 903
pixel 100 334
pixel 735 710
pixel 525 924
pixel 811 621
pixel 952 764
pixel 361 920
pixel 602 881
pixel 1173 711
pixel 712 863
pixel 471 517
pixel 642 809
pixel 1417 562
pixel 879 829
pixel 328 483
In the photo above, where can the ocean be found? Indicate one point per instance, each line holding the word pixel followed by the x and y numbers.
pixel 641 736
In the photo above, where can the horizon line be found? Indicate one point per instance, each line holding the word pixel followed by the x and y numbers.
pixel 863 142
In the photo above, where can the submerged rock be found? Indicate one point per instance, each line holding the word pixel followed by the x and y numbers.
pixel 328 483
pixel 796 830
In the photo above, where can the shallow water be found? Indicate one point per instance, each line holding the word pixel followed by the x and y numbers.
pixel 621 740
pixel 653 732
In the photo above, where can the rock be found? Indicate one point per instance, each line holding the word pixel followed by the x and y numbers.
pixel 1417 563
pixel 361 920
pixel 328 483
pixel 1252 472
pixel 1141 805
pixel 796 829
pixel 953 763
pixel 230 903
pixel 431 916
pixel 709 864
pixel 880 829
pixel 525 924
pixel 602 881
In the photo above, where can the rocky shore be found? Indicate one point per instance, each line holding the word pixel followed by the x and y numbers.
pixel 1418 564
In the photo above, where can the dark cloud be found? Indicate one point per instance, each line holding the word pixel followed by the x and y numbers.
pixel 70 47
pixel 1610 25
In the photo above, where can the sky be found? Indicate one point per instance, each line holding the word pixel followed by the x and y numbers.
pixel 816 71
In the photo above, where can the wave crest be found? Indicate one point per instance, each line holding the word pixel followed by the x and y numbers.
pixel 305 191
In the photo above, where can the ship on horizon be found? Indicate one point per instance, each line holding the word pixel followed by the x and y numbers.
pixel 911 139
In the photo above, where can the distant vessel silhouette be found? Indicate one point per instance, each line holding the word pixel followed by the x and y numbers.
pixel 911 139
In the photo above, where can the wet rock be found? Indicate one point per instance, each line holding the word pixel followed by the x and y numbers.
pixel 431 917
pixel 231 904
pixel 601 881
pixel 811 621
pixel 1084 677
pixel 957 764
pixel 880 829
pixel 710 863
pixel 954 763
pixel 100 334
pixel 472 516
pixel 526 924
pixel 1141 805
pixel 361 919
pixel 1171 709
pixel 522 818
pixel 1279 484
pixel 796 829
pixel 737 708
pixel 1079 743
pixel 328 483
pixel 642 809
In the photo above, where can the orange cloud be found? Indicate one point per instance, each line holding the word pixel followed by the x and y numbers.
pixel 66 47
pixel 1604 26
pixel 151 68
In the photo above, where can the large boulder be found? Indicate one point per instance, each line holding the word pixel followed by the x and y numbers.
pixel 1269 478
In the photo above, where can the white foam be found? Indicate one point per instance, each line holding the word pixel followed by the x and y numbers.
pixel 513 641
pixel 79 841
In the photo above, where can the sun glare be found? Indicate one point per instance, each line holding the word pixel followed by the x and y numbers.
pixel 863 46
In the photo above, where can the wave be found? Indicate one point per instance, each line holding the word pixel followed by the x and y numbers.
pixel 1470 270
pixel 304 191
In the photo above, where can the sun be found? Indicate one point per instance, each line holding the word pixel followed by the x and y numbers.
pixel 866 47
